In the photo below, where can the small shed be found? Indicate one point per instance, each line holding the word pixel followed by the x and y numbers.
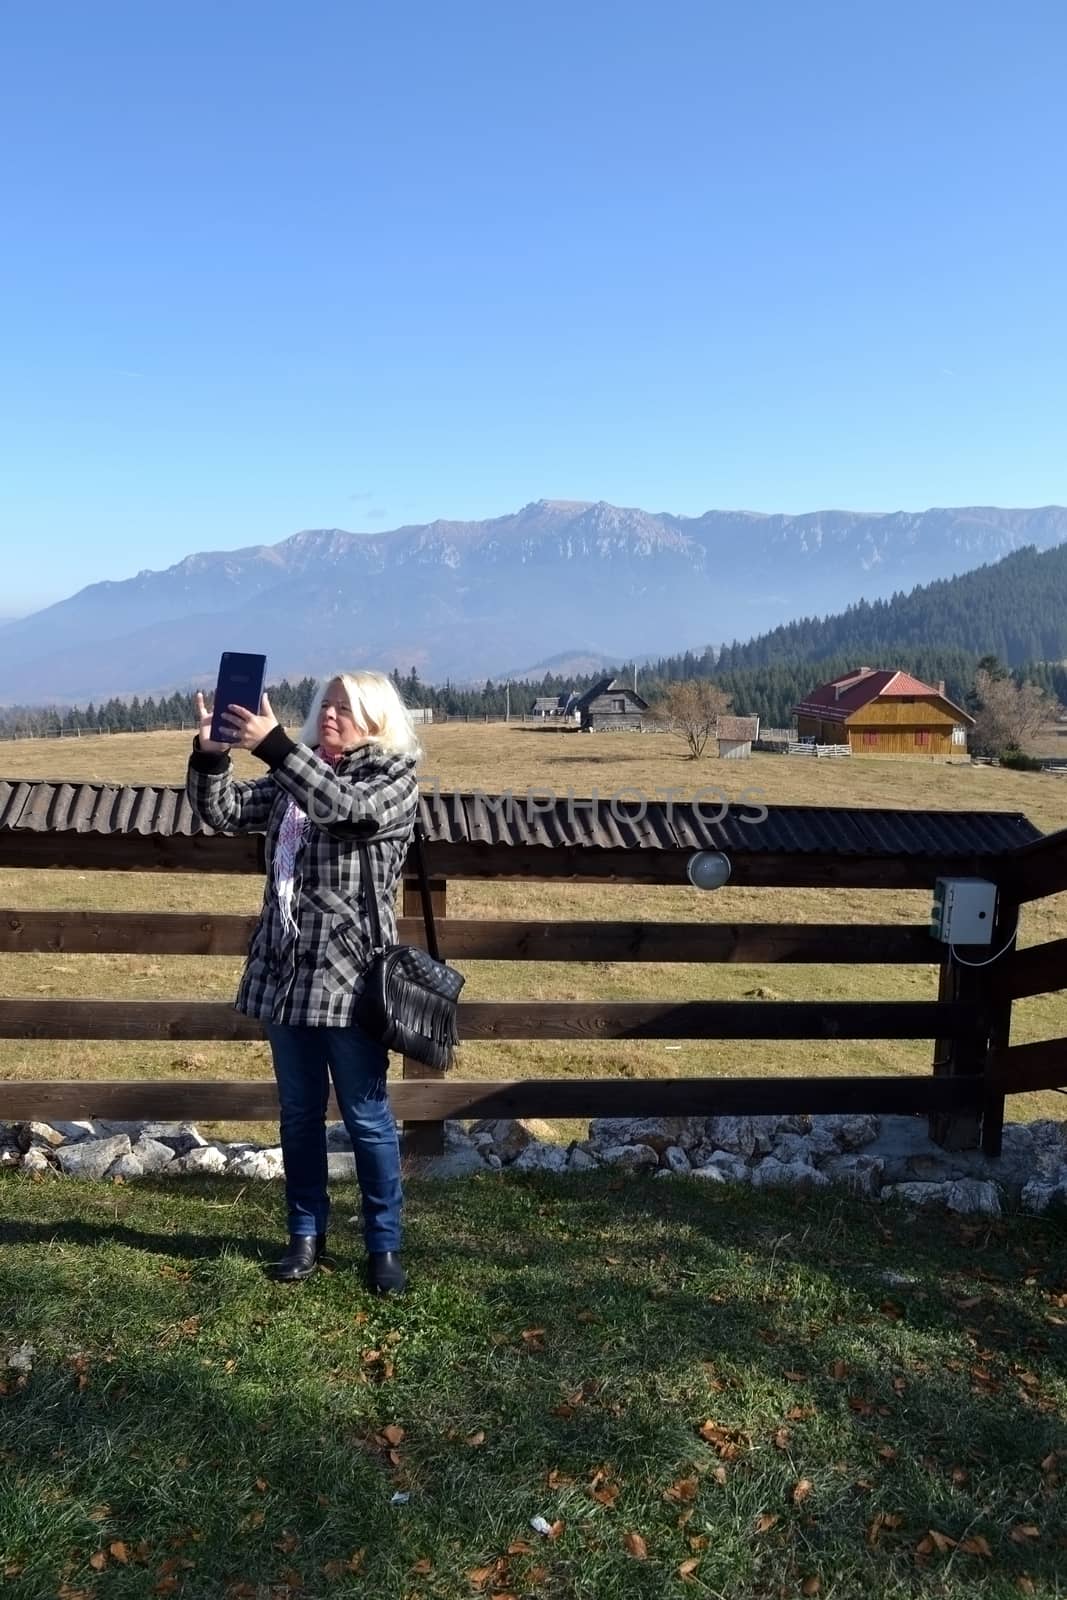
pixel 610 705
pixel 736 736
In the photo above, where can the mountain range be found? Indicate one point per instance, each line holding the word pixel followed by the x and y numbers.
pixel 469 600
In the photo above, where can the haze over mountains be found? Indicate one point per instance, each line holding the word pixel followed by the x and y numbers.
pixel 466 601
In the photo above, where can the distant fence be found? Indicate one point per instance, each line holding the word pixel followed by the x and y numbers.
pixel 801 747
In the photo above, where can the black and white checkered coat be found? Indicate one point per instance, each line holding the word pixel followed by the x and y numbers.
pixel 310 976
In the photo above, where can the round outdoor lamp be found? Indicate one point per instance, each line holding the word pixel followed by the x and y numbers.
pixel 708 869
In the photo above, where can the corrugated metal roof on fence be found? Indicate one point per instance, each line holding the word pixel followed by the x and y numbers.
pixel 524 819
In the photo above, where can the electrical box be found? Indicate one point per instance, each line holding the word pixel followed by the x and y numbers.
pixel 963 910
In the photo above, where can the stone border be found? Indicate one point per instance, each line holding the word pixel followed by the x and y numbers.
pixel 883 1158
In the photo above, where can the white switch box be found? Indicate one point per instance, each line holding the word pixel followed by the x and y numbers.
pixel 963 910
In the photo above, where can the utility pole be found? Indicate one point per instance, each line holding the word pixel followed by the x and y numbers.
pixel 507 701
pixel 635 677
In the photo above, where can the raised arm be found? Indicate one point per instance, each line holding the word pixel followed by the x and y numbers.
pixel 376 798
pixel 222 802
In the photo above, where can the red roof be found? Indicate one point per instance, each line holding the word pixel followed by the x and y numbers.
pixel 837 700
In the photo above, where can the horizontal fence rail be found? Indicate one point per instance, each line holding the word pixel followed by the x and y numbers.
pixel 769 869
pixel 188 933
pixel 424 1100
pixel 525 1019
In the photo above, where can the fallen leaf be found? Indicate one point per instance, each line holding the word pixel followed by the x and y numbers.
pixel 781 1439
pixel 698 1541
pixel 587 1316
pixel 1024 1584
pixel 520 1547
pixel 800 1413
pixel 839 1370
pixel 688 1567
pixel 976 1545
pixel 887 1453
pixel 254 1519
pixel 933 1540
pixel 532 1335
pixel 119 1552
pixel 800 1491
pixel 635 1546
pixel 98 1560
pixel 262 1485
pixel 392 1433
pixel 795 1377
pixel 765 1521
pixel 719 1474
pixel 811 1585
pixel 287 1543
pixel 605 1494
pixel 166 1585
pixel 1023 1531
pixel 476 1439
pixel 558 1480
pixel 684 1489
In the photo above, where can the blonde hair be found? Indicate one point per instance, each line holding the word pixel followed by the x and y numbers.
pixel 376 706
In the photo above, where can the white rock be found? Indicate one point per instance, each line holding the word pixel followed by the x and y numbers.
pixel 493 1161
pixel 579 1160
pixel 340 1166
pixel 19 1358
pixel 71 1132
pixel 10 1156
pixel 181 1136
pixel 860 1174
pixel 676 1160
pixel 1038 1195
pixel 511 1135
pixel 126 1166
pixel 632 1157
pixel 810 1147
pixel 916 1194
pixel 252 1164
pixel 541 1157
pixel 773 1174
pixel 456 1136
pixel 723 1167
pixel 971 1195
pixel 735 1134
pixel 153 1154
pixel 482 1141
pixel 41 1133
pixel 656 1132
pixel 35 1161
pixel 849 1130
pixel 337 1136
pixel 92 1157
pixel 205 1158
pixel 452 1164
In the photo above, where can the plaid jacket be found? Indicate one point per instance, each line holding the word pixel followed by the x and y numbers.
pixel 311 976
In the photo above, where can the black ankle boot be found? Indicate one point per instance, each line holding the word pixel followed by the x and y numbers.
pixel 301 1258
pixel 385 1275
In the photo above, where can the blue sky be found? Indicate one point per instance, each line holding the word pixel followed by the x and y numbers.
pixel 269 266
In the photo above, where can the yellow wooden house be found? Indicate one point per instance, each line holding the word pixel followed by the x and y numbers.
pixel 878 712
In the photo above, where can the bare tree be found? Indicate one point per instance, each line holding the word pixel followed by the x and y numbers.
pixel 691 710
pixel 1008 714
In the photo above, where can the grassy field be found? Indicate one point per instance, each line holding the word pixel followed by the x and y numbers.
pixel 497 757
pixel 742 1395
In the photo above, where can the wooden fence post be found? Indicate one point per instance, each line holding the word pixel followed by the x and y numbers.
pixel 965 981
pixel 424 1138
pixel 1004 934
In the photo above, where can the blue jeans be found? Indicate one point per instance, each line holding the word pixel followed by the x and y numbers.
pixel 304 1060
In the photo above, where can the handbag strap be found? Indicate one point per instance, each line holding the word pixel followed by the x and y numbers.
pixel 371 895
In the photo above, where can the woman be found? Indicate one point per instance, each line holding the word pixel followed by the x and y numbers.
pixel 350 777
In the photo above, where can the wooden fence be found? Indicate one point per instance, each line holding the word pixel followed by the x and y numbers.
pixel 974 1066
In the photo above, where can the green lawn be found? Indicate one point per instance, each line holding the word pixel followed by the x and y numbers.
pixel 720 1394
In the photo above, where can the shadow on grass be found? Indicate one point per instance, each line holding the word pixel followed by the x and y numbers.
pixel 578 1325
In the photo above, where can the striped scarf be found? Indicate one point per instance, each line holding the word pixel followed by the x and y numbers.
pixel 291 836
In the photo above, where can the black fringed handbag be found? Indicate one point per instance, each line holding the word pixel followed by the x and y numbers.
pixel 408 1000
